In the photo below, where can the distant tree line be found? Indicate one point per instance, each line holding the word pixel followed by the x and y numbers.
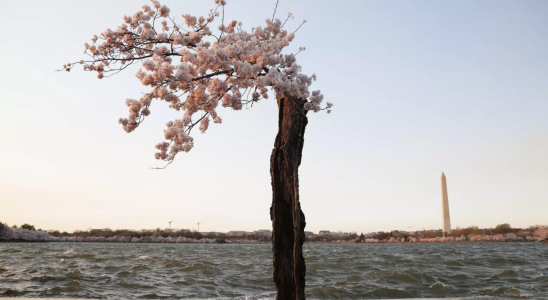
pixel 174 233
pixel 6 231
pixel 332 238
pixel 24 226
pixel 500 229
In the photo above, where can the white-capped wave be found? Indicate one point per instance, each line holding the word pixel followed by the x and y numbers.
pixel 437 285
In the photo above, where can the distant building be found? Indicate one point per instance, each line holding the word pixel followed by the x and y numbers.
pixel 263 232
pixel 340 233
pixel 324 232
pixel 237 233
pixel 446 218
pixel 309 233
pixel 209 233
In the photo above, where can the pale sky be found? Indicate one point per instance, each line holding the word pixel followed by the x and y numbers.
pixel 419 87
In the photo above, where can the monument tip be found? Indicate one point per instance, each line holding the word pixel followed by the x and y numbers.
pixel 442 174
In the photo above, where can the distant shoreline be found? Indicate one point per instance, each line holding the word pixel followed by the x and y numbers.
pixel 269 243
pixel 456 242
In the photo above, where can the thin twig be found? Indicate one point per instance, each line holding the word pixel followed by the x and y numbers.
pixel 275 8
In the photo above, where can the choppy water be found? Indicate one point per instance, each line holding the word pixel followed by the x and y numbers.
pixel 152 271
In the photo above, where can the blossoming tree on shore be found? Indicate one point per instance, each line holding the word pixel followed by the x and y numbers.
pixel 541 234
pixel 196 71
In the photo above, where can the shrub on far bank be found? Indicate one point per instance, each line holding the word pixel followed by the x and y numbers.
pixel 28 227
pixel 503 228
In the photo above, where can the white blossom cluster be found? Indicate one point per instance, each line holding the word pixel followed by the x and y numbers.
pixel 20 234
pixel 509 237
pixel 541 234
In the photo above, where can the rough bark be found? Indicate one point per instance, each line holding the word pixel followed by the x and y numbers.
pixel 288 220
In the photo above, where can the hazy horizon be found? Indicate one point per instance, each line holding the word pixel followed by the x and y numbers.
pixel 194 229
pixel 419 88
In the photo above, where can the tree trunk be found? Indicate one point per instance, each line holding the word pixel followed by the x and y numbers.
pixel 287 218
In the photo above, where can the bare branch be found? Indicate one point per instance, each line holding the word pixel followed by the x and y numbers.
pixel 275 8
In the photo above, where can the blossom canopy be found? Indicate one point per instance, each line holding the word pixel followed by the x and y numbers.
pixel 195 70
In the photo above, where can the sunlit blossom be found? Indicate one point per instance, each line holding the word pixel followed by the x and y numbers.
pixel 194 70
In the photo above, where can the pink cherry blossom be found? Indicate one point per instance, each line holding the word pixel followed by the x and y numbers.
pixel 196 70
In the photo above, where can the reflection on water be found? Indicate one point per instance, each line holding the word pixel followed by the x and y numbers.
pixel 154 271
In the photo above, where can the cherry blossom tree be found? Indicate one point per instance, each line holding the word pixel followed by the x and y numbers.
pixel 6 232
pixel 195 70
pixel 541 234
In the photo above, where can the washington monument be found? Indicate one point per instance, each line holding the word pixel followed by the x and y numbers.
pixel 445 206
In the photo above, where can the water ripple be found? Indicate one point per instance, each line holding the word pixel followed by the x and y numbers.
pixel 168 271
